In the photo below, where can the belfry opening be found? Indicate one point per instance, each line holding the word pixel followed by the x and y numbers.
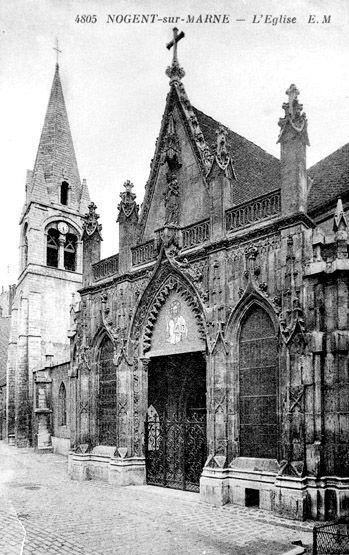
pixel 176 421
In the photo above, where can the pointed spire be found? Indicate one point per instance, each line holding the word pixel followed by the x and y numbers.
pixel 55 158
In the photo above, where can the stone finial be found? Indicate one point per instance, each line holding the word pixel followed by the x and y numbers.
pixel 221 155
pixel 91 224
pixel 340 229
pixel 339 219
pixel 294 115
pixel 174 71
pixel 221 143
pixel 128 204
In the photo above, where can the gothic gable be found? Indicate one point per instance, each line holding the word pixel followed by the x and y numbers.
pixel 177 174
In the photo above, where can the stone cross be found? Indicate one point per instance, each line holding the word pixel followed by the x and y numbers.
pixel 176 38
pixel 58 51
pixel 292 93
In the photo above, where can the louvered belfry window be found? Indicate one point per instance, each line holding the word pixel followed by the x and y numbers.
pixel 70 253
pixel 258 386
pixel 52 248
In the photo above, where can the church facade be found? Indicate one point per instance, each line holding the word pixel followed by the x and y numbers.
pixel 211 353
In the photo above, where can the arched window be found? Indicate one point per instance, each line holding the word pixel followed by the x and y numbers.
pixel 52 247
pixel 25 245
pixel 107 394
pixel 70 252
pixel 62 406
pixel 258 386
pixel 64 192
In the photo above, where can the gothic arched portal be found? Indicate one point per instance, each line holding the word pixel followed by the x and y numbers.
pixel 258 372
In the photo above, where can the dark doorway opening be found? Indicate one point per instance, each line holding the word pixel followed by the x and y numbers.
pixel 176 426
pixel 251 497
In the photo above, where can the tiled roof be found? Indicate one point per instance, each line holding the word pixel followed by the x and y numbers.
pixel 257 171
pixel 4 336
pixel 330 179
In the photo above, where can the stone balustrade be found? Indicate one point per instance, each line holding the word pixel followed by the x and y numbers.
pixel 106 267
pixel 196 234
pixel 251 212
pixel 141 254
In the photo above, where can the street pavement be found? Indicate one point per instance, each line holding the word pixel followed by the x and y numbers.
pixel 43 512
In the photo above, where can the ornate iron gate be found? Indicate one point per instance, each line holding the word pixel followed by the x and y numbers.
pixel 175 451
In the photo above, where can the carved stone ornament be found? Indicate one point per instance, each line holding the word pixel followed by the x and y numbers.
pixel 90 224
pixel 128 205
pixel 171 151
pixel 169 236
pixel 171 199
pixel 221 154
pixel 294 117
pixel 291 317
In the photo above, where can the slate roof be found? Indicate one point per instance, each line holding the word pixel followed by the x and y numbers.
pixel 257 171
pixel 4 337
pixel 56 152
pixel 330 180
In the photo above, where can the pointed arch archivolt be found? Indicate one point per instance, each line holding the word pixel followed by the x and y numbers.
pixel 152 301
pixel 243 308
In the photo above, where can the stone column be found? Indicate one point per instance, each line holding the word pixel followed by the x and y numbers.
pixel 61 243
pixel 214 483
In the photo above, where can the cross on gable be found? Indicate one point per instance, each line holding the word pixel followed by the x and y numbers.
pixel 176 38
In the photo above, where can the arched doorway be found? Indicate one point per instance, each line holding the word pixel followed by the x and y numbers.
pixel 176 426
pixel 175 443
pixel 106 410
pixel 258 372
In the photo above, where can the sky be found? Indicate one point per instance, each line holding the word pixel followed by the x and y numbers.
pixel 115 87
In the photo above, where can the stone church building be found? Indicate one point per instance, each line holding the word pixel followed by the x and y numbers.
pixel 209 354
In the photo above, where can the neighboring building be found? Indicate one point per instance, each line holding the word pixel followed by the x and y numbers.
pixel 50 265
pixel 211 352
pixel 6 298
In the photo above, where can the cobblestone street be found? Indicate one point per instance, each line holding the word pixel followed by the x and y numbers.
pixel 44 512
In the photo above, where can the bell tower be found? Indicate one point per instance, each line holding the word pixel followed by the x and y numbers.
pixel 50 264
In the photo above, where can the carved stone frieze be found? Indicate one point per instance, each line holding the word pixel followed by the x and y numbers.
pixel 264 245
